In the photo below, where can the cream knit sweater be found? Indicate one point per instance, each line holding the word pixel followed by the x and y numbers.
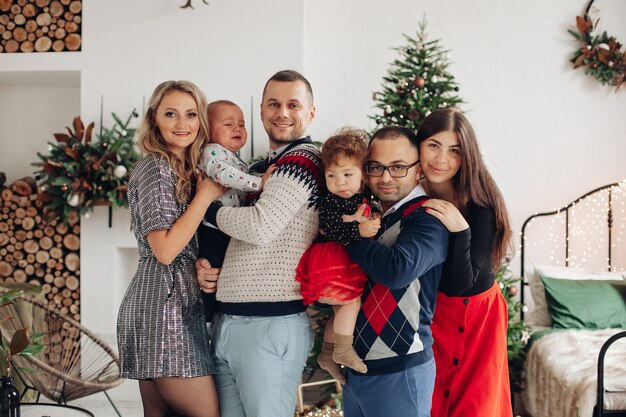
pixel 269 237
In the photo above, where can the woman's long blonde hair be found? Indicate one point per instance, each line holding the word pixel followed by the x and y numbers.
pixel 151 141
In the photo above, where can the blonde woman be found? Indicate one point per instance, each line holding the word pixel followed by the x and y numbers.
pixel 162 337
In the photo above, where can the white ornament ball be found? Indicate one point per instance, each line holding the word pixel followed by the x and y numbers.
pixel 87 215
pixel 73 200
pixel 120 171
pixel 603 46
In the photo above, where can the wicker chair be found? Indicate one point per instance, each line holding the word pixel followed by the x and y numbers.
pixel 75 363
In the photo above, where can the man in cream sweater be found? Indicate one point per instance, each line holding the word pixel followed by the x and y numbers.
pixel 262 334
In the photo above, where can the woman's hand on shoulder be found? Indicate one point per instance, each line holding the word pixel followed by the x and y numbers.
pixel 447 213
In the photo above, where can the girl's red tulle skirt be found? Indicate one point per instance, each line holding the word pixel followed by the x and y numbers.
pixel 327 272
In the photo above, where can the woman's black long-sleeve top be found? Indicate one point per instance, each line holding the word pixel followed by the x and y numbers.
pixel 467 270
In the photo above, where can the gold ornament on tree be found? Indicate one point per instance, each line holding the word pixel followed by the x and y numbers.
pixel 419 82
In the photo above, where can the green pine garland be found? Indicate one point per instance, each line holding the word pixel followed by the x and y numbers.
pixel 416 84
pixel 78 174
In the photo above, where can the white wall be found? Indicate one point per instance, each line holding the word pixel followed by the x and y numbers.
pixel 227 51
pixel 28 98
pixel 548 133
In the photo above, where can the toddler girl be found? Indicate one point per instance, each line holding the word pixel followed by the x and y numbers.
pixel 326 272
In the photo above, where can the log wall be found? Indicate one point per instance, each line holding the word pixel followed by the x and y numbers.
pixel 39 251
pixel 40 25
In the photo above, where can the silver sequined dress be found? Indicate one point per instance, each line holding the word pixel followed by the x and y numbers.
pixel 161 331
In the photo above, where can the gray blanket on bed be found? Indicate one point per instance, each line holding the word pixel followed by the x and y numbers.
pixel 561 373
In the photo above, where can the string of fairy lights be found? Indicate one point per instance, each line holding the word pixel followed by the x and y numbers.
pixel 588 221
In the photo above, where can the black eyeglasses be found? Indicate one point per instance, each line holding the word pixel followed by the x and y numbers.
pixel 395 171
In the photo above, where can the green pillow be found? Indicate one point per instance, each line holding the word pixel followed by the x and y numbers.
pixel 585 304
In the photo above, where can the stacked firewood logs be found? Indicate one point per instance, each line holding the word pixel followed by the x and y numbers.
pixel 39 251
pixel 40 25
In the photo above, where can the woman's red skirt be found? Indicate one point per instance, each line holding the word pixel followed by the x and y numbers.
pixel 326 271
pixel 471 356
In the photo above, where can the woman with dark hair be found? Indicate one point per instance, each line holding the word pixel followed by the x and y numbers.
pixel 470 320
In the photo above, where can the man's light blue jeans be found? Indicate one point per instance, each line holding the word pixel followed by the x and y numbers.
pixel 259 363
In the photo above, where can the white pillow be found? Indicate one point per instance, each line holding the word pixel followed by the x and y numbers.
pixel 540 316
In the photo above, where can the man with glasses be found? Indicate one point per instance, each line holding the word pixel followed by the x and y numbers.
pixel 404 265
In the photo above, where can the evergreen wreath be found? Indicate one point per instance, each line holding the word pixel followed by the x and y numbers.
pixel 600 54
pixel 79 174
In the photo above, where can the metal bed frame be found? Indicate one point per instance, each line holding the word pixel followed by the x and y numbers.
pixel 599 410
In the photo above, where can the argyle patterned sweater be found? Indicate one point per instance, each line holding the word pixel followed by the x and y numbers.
pixel 404 265
pixel 269 237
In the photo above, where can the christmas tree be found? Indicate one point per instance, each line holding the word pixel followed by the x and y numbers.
pixel 417 83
